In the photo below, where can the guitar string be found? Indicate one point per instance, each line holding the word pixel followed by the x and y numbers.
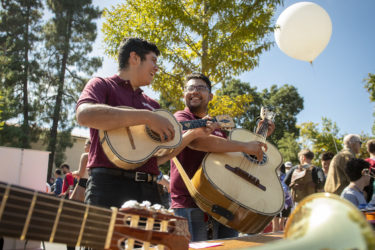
pixel 157 224
pixel 66 216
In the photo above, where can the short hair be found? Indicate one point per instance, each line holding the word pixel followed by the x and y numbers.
pixel 65 165
pixel 58 171
pixel 350 139
pixel 371 146
pixel 307 153
pixel 138 45
pixel 200 76
pixel 326 156
pixel 354 167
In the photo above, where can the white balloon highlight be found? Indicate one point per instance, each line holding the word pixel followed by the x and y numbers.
pixel 304 30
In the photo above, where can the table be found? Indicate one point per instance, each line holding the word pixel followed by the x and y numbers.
pixel 247 241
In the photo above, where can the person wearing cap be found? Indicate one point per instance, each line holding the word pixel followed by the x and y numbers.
pixel 288 166
pixel 337 179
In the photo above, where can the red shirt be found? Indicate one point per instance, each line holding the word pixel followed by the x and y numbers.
pixel 68 181
pixel 191 160
pixel 114 91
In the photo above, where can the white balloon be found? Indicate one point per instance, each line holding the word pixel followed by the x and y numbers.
pixel 304 30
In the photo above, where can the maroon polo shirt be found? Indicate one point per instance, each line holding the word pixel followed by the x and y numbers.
pixel 114 91
pixel 191 160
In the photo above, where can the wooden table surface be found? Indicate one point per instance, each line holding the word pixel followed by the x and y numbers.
pixel 246 241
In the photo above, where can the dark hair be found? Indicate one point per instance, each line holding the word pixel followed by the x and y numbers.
pixel 139 46
pixel 64 165
pixel 58 171
pixel 371 146
pixel 327 156
pixel 307 153
pixel 282 168
pixel 199 76
pixel 354 168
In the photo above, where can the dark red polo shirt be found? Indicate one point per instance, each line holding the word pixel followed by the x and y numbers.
pixel 191 160
pixel 114 91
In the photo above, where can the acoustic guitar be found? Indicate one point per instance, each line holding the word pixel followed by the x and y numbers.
pixel 26 214
pixel 238 190
pixel 131 147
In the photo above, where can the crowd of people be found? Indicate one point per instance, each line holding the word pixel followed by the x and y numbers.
pixel 342 174
pixel 100 182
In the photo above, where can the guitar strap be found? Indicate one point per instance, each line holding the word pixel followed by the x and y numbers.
pixel 192 190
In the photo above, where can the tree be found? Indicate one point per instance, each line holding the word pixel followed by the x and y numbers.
pixel 69 36
pixel 217 38
pixel 20 27
pixel 326 139
pixel 370 87
pixel 285 100
pixel 289 147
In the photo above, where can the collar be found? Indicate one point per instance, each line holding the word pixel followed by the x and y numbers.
pixel 126 84
pixel 191 114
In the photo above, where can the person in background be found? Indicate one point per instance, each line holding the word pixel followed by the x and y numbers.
pixel 337 179
pixel 81 175
pixel 357 171
pixel 305 178
pixel 288 166
pixel 279 221
pixel 68 182
pixel 326 160
pixel 58 183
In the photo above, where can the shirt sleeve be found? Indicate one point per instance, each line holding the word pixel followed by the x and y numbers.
pixel 95 91
pixel 350 197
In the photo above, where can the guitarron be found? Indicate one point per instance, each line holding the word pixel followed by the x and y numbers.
pixel 238 190
pixel 130 147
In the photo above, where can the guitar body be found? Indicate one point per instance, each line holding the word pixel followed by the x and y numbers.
pixel 253 206
pixel 131 147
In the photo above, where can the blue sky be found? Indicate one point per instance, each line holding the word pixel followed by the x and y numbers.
pixel 333 86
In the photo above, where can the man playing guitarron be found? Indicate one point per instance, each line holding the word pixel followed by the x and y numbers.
pixel 197 95
pixel 98 109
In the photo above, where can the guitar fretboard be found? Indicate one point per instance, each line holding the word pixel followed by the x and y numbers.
pixel 27 214
pixel 194 124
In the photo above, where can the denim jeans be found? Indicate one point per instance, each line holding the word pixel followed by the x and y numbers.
pixel 108 190
pixel 198 225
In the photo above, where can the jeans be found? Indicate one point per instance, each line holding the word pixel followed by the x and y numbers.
pixel 107 190
pixel 198 225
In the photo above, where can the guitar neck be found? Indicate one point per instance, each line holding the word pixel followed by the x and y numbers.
pixel 194 123
pixel 27 214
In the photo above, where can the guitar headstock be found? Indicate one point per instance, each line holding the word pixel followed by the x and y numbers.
pixel 149 227
pixel 225 121
pixel 267 112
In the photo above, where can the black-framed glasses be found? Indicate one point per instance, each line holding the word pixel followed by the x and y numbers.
pixel 199 88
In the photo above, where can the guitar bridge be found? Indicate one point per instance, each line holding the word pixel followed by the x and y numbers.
pixel 246 176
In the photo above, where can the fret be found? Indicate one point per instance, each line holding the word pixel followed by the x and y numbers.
pixel 96 227
pixel 4 200
pixel 111 226
pixel 28 218
pixel 82 227
pixel 149 226
pixel 57 218
pixel 193 124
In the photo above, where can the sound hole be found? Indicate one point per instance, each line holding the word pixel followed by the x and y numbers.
pixel 152 134
pixel 253 159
